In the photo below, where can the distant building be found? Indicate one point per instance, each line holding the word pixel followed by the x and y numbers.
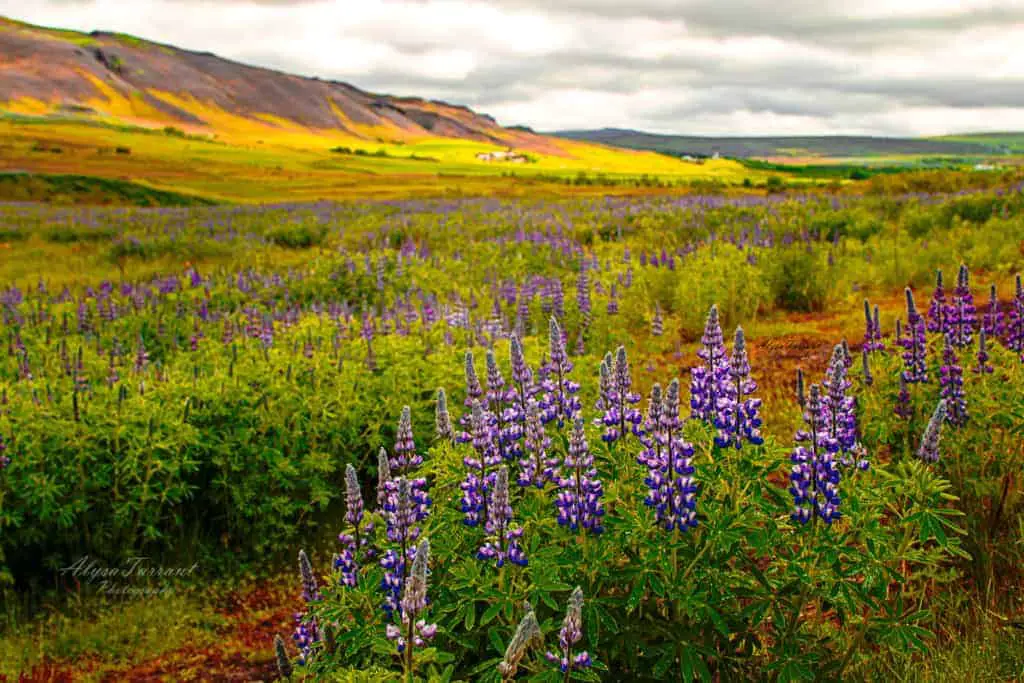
pixel 985 167
pixel 506 155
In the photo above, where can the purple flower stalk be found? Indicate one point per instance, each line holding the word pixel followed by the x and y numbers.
pixel 938 308
pixel 929 449
pixel 952 385
pixel 738 418
pixel 872 331
pixel 5 459
pixel 442 420
pixel 405 457
pixel 839 409
pixel 668 458
pixel 914 345
pixel 412 631
pixel 347 562
pixel 407 505
pixel 383 477
pixel 1015 323
pixel 865 363
pixel 503 537
pixel 536 468
pixel 307 633
pixel 992 319
pixel 479 468
pixel 983 367
pixel 709 382
pixel 815 475
pixel 567 659
pixel 580 491
pixel 559 401
pixel 962 317
pixel 474 392
pixel 903 407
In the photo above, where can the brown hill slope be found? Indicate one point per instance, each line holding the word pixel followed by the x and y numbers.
pixel 47 71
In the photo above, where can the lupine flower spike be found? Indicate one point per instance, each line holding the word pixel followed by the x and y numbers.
pixel 937 309
pixel 306 634
pixel 952 383
pixel 442 420
pixel 1015 324
pixel 915 351
pixel 580 491
pixel 929 449
pixel 347 562
pixel 571 633
pixel 527 633
pixel 738 417
pixel 503 537
pixel 412 631
pixel 983 367
pixel 284 664
pixel 668 458
pixel 962 316
pixel 709 381
pixel 814 476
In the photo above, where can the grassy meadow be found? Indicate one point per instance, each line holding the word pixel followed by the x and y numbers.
pixel 210 387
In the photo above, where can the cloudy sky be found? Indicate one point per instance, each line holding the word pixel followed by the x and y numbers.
pixel 890 67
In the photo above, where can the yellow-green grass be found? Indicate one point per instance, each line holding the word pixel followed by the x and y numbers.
pixel 285 164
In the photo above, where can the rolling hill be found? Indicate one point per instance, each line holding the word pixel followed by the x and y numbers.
pixel 803 147
pixel 94 93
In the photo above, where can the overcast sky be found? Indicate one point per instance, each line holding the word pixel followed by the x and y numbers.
pixel 744 67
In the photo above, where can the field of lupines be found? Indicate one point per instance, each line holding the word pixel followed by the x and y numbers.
pixel 545 457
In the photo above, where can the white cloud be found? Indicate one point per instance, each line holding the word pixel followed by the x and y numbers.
pixel 687 66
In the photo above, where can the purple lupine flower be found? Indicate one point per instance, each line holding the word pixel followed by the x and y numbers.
pixel 503 538
pixel 347 562
pixel 502 409
pixel 571 633
pixel 929 449
pixel 626 397
pixel 407 505
pixel 710 381
pixel 839 409
pixel 903 407
pixel 5 459
pixel 865 364
pixel 559 401
pixel 479 468
pixel 938 308
pixel 442 420
pixel 606 403
pixel 952 384
pixel 412 632
pixel 307 633
pixel 962 318
pixel 536 468
pixel 983 367
pixel 914 344
pixel 668 458
pixel 580 491
pixel 474 392
pixel 405 456
pixel 383 477
pixel 1015 323
pixel 738 417
pixel 814 476
pixel 992 319
pixel 872 331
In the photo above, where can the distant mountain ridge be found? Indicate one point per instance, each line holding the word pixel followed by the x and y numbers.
pixel 52 72
pixel 767 147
